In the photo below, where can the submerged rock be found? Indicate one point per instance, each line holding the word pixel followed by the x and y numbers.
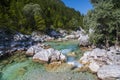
pixel 109 72
pixel 72 54
pixel 65 51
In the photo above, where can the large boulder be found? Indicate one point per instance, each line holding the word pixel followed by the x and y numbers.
pixel 95 54
pixel 114 57
pixel 70 37
pixel 34 49
pixel 97 58
pixel 63 32
pixel 109 72
pixel 48 55
pixel 83 40
pixel 94 67
pixel 37 37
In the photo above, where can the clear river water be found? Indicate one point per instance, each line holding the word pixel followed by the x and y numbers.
pixel 20 67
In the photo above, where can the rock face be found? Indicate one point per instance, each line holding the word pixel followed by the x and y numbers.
pixel 99 57
pixel 109 72
pixel 49 55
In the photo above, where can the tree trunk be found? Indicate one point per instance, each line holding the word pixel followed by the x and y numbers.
pixel 116 42
pixel 107 41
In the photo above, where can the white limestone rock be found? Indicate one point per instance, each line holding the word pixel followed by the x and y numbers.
pixel 50 54
pixel 109 72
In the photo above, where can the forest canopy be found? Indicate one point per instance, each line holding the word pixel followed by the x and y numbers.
pixel 29 15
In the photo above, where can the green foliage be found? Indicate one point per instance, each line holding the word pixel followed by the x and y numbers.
pixel 28 15
pixel 105 20
pixel 40 23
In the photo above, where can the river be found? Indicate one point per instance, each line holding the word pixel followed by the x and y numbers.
pixel 20 67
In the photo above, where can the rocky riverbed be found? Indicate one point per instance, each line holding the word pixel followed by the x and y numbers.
pixel 33 57
pixel 20 67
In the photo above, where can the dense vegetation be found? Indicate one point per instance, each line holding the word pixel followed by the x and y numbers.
pixel 104 19
pixel 29 15
pixel 39 15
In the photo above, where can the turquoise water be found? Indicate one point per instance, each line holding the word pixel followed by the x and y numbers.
pixel 20 71
pixel 67 47
pixel 20 67
pixel 73 45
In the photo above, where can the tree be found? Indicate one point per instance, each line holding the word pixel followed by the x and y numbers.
pixel 104 20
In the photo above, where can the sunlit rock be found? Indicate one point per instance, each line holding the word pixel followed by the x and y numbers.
pixel 100 57
pixel 84 40
pixel 114 57
pixel 94 67
pixel 109 72
pixel 34 49
pixel 49 55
